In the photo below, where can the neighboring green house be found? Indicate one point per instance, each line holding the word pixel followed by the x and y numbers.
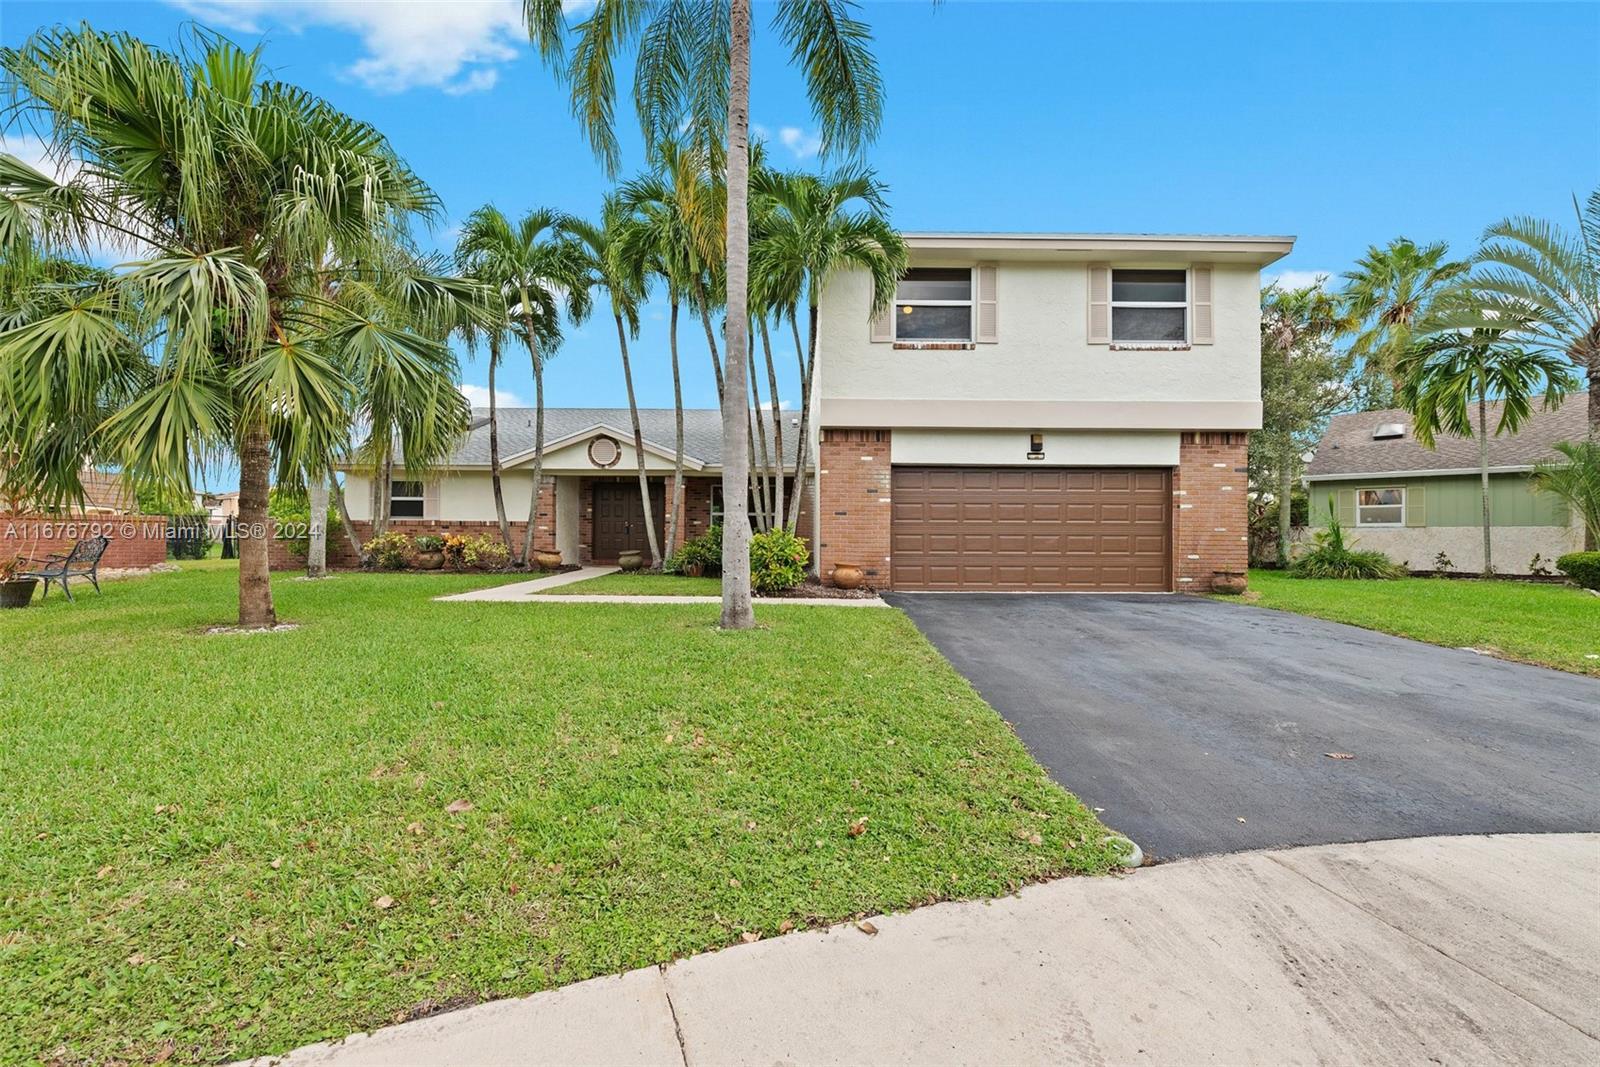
pixel 1412 503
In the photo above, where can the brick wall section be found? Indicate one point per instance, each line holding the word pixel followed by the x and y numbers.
pixel 136 540
pixel 853 472
pixel 1210 531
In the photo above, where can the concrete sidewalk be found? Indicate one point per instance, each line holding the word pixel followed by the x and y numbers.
pixel 523 590
pixel 1452 950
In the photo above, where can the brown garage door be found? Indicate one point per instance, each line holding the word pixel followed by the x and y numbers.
pixel 1031 528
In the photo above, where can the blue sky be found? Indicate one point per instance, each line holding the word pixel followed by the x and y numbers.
pixel 1344 124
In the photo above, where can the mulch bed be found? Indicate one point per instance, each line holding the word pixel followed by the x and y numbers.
pixel 813 589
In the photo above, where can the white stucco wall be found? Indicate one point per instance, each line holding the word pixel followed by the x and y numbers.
pixel 1512 547
pixel 1043 360
pixel 464 496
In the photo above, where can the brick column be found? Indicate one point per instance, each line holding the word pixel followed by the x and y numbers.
pixel 853 475
pixel 1210 530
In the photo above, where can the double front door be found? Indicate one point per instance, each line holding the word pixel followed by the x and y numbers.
pixel 619 519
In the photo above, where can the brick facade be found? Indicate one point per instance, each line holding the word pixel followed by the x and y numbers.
pixel 1210 529
pixel 853 473
pixel 136 540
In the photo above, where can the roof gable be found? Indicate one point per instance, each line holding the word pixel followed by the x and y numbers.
pixel 1348 447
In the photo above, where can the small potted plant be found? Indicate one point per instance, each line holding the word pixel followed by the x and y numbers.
pixel 1231 583
pixel 15 590
pixel 548 560
pixel 430 552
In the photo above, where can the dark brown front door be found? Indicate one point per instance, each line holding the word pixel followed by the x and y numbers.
pixel 619 519
pixel 1031 528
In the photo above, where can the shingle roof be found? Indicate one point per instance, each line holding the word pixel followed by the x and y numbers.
pixel 1347 447
pixel 702 431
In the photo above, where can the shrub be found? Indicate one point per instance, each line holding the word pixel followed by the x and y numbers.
pixel 705 550
pixel 430 543
pixel 391 552
pixel 777 561
pixel 291 515
pixel 1331 557
pixel 485 552
pixel 455 552
pixel 1581 567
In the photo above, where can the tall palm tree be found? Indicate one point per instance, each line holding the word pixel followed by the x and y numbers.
pixel 693 70
pixel 1575 480
pixel 537 267
pixel 492 329
pixel 817 226
pixel 1453 374
pixel 222 339
pixel 1551 278
pixel 676 230
pixel 1388 292
pixel 606 246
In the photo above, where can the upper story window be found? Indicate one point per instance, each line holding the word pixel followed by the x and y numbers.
pixel 1150 306
pixel 934 304
pixel 405 500
pixel 1381 507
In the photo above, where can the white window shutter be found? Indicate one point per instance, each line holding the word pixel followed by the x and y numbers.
pixel 1202 326
pixel 430 499
pixel 987 331
pixel 883 326
pixel 1099 322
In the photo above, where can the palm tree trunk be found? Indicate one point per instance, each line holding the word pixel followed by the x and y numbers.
pixel 758 473
pixel 802 444
pixel 317 525
pixel 538 443
pixel 1483 475
pixel 711 337
pixel 777 430
pixel 380 520
pixel 1285 505
pixel 638 449
pixel 737 613
pixel 344 520
pixel 255 581
pixel 494 449
pixel 675 506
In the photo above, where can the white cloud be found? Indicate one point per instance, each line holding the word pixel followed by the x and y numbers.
pixel 803 144
pixel 1300 279
pixel 478 397
pixel 454 45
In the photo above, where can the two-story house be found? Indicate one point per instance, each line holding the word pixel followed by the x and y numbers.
pixel 1043 412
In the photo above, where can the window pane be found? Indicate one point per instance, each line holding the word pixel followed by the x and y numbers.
pixel 917 323
pixel 1147 285
pixel 936 283
pixel 1147 324
pixel 1380 496
pixel 1385 515
pixel 405 508
pixel 405 489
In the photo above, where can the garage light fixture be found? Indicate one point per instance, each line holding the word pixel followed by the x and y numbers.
pixel 1036 446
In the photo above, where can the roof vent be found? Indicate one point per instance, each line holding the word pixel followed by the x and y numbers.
pixel 1387 430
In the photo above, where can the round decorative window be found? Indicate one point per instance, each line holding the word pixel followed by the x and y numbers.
pixel 604 452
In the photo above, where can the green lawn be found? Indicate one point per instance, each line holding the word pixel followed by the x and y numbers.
pixel 217 846
pixel 640 583
pixel 1557 626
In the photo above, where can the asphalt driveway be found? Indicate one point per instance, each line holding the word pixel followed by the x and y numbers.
pixel 1201 726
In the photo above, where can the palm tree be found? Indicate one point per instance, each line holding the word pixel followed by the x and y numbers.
pixel 675 231
pixel 536 265
pixel 693 70
pixel 222 339
pixel 1576 482
pixel 492 329
pixel 818 225
pixel 1451 373
pixel 1388 292
pixel 1551 278
pixel 606 246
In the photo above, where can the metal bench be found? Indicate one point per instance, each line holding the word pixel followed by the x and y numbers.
pixel 82 562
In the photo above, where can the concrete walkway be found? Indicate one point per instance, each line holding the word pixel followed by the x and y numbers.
pixel 537 590
pixel 1451 950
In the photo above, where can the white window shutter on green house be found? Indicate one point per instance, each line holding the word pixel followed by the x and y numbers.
pixel 988 326
pixel 1099 321
pixel 1416 505
pixel 1347 507
pixel 430 499
pixel 1202 328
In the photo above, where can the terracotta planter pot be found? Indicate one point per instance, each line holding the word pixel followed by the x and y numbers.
pixel 430 561
pixel 1231 583
pixel 630 561
pixel 847 576
pixel 547 561
pixel 17 593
